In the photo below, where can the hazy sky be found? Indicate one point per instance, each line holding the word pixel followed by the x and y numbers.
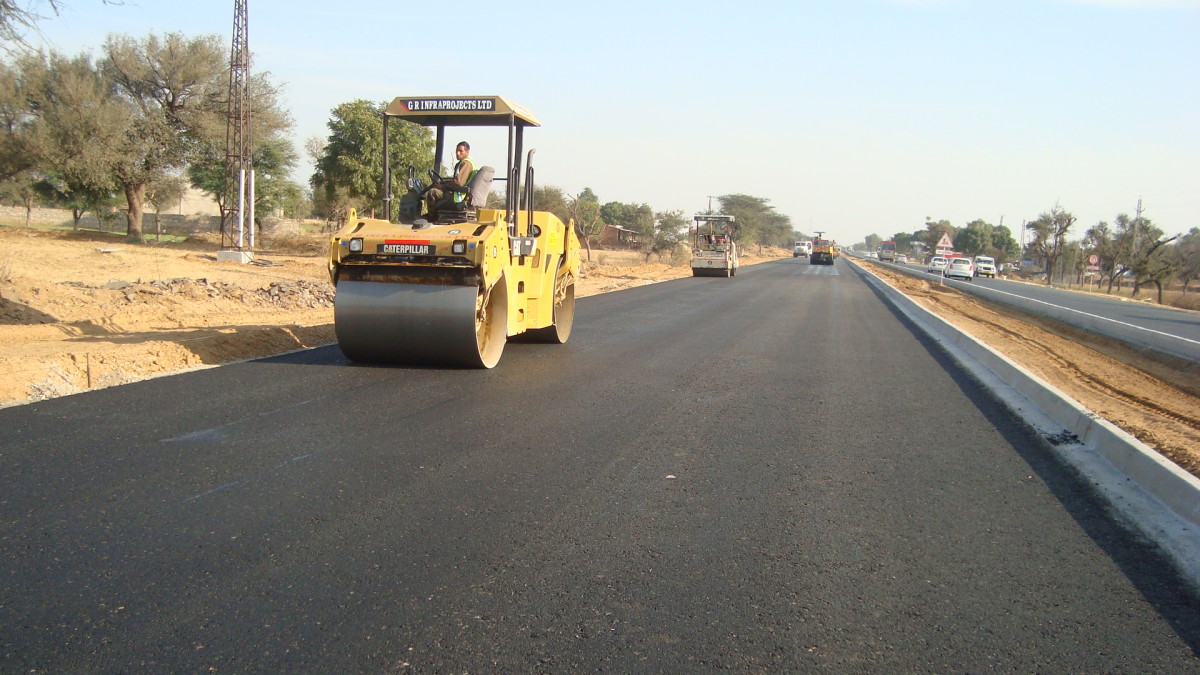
pixel 850 116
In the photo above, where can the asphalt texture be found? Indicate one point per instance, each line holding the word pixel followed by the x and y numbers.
pixel 771 472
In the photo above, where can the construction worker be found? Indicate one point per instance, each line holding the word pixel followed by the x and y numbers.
pixel 464 170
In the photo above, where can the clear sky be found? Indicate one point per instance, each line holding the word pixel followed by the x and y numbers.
pixel 851 116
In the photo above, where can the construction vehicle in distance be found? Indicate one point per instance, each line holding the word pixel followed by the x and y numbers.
pixel 887 251
pixel 802 249
pixel 714 252
pixel 450 287
pixel 823 251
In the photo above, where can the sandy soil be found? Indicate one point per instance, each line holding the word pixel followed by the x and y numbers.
pixel 83 311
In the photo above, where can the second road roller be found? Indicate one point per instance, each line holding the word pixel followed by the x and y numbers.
pixel 449 287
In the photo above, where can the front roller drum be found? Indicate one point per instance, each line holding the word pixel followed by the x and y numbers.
pixel 421 324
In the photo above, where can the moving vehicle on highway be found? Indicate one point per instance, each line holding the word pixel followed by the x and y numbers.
pixel 902 259
pixel 985 266
pixel 887 251
pixel 714 252
pixel 961 268
pixel 937 265
pixel 802 249
pixel 823 252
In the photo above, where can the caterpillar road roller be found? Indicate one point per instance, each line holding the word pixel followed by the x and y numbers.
pixel 449 287
pixel 714 252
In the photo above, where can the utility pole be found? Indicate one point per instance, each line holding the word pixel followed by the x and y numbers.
pixel 1137 228
pixel 237 207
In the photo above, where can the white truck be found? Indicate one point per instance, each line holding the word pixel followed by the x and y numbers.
pixel 714 252
pixel 802 249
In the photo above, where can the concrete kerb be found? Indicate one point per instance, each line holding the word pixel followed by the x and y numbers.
pixel 1154 495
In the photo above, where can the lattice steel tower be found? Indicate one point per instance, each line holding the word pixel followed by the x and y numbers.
pixel 238 198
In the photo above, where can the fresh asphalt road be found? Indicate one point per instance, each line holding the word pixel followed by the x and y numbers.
pixel 769 472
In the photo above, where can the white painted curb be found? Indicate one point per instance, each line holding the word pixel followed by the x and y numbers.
pixel 1159 499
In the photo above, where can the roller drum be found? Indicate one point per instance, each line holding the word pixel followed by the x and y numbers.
pixel 420 324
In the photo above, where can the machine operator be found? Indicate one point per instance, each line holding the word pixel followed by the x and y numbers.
pixel 465 169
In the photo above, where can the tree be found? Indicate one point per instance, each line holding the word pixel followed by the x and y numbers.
pixel 1145 253
pixel 163 193
pixel 74 122
pixel 273 159
pixel 175 87
pixel 975 238
pixel 1098 241
pixel 349 170
pixel 872 242
pixel 585 208
pixel 552 198
pixel 1049 236
pixel 670 228
pixel 18 19
pixel 1004 246
pixel 934 231
pixel 15 119
pixel 1188 252
pixel 756 221
pixel 272 155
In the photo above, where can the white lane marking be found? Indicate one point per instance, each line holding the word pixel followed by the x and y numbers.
pixel 1088 314
pixel 215 434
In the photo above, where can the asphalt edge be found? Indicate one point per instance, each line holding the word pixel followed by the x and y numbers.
pixel 1152 494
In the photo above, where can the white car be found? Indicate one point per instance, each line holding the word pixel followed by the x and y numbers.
pixel 985 266
pixel 960 267
pixel 937 265
pixel 902 259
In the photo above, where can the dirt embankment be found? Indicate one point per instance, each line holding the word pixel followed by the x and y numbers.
pixel 82 311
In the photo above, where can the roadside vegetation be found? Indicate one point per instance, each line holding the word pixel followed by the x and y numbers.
pixel 1132 257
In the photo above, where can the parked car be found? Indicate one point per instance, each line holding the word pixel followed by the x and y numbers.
pixel 960 267
pixel 936 265
pixel 985 266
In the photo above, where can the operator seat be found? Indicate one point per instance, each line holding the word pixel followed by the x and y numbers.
pixel 467 210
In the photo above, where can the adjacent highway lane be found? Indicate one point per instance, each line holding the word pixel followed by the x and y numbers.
pixel 1168 330
pixel 769 472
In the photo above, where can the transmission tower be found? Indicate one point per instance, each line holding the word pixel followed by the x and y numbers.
pixel 237 206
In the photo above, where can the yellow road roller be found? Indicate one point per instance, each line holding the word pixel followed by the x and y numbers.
pixel 449 287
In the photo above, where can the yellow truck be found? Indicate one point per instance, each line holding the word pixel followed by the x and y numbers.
pixel 823 252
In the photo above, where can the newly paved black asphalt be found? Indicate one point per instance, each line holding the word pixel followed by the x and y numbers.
pixel 766 473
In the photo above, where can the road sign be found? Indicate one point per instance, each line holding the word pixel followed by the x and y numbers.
pixel 1093 259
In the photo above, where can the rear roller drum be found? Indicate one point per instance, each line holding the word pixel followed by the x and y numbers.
pixel 564 314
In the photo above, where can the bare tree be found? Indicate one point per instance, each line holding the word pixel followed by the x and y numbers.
pixel 585 208
pixel 1049 237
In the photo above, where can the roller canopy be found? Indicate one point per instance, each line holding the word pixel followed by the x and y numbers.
pixel 461 111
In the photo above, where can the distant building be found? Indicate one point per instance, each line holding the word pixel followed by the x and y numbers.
pixel 617 236
pixel 197 203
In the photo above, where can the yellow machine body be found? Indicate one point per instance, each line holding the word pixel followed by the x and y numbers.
pixel 451 289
